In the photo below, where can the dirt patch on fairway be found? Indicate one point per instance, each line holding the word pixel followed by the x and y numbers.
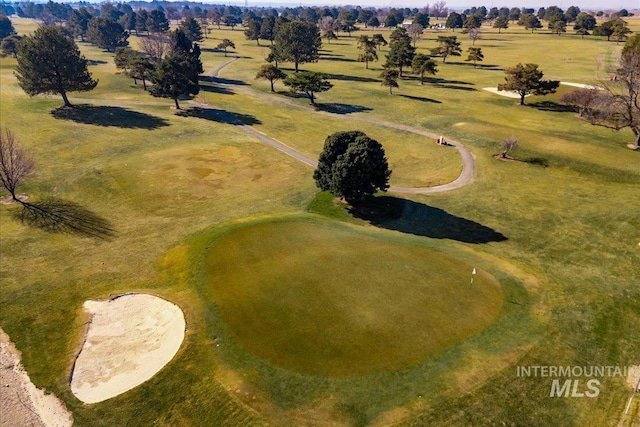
pixel 21 403
pixel 8 200
pixel 130 339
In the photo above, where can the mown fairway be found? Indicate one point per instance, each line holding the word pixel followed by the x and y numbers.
pixel 173 187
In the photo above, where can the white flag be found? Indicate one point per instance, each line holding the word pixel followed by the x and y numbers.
pixel 474 271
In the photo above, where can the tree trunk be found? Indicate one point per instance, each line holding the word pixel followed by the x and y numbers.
pixel 366 64
pixel 296 63
pixel 272 90
pixel 636 132
pixel 390 90
pixel 311 98
pixel 65 99
pixel 522 99
pixel 421 78
pixel 177 105
pixel 144 83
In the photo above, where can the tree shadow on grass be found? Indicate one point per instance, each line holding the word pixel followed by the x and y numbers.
pixel 539 161
pixel 220 116
pixel 337 108
pixel 450 84
pixel 352 78
pixel 61 216
pixel 421 98
pixel 109 116
pixel 553 107
pixel 336 58
pixel 213 88
pixel 416 218
pixel 223 81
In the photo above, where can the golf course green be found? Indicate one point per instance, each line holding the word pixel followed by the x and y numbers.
pixel 319 299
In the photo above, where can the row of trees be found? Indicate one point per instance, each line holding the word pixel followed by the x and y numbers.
pixel 49 61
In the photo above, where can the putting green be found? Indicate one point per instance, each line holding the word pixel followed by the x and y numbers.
pixel 320 299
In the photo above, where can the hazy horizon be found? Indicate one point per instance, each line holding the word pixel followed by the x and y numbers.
pixel 458 5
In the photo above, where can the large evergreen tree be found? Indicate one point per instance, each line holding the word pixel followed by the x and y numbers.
pixel 6 27
pixel 106 34
pixel 309 83
pixel 527 79
pixel 49 61
pixel 191 29
pixel 423 64
pixel 368 50
pixel 447 46
pixel 297 42
pixel 352 166
pixel 171 78
pixel 401 52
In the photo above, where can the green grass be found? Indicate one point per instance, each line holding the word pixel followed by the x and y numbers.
pixel 315 299
pixel 568 261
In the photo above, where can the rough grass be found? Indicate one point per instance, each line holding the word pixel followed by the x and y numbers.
pixel 569 263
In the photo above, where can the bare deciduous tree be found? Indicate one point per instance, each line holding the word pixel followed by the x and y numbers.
pixel 617 106
pixel 507 145
pixel 155 46
pixel 582 100
pixel 474 34
pixel 415 32
pixel 15 163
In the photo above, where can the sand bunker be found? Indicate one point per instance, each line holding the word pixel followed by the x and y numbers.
pixel 21 403
pixel 130 338
pixel 513 94
pixel 580 85
pixel 507 93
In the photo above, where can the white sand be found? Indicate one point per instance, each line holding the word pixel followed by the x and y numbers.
pixel 512 94
pixel 581 85
pixel 129 340
pixel 21 403
pixel 507 93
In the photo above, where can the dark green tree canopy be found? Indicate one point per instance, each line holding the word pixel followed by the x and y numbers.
pixel 530 22
pixel 309 83
pixel 157 22
pixel 501 23
pixel 527 79
pixel 106 34
pixel 171 78
pixel 401 52
pixel 49 61
pixel 9 45
pixel 352 166
pixel 191 29
pixel 423 64
pixel 454 20
pixel 297 42
pixel 6 27
pixel 390 78
pixel 271 73
pixel 447 46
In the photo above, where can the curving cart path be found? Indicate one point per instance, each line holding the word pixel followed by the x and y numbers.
pixel 468 164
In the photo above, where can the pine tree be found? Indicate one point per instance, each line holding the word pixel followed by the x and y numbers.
pixel 50 62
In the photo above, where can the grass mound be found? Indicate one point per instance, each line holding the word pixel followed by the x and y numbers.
pixel 320 299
